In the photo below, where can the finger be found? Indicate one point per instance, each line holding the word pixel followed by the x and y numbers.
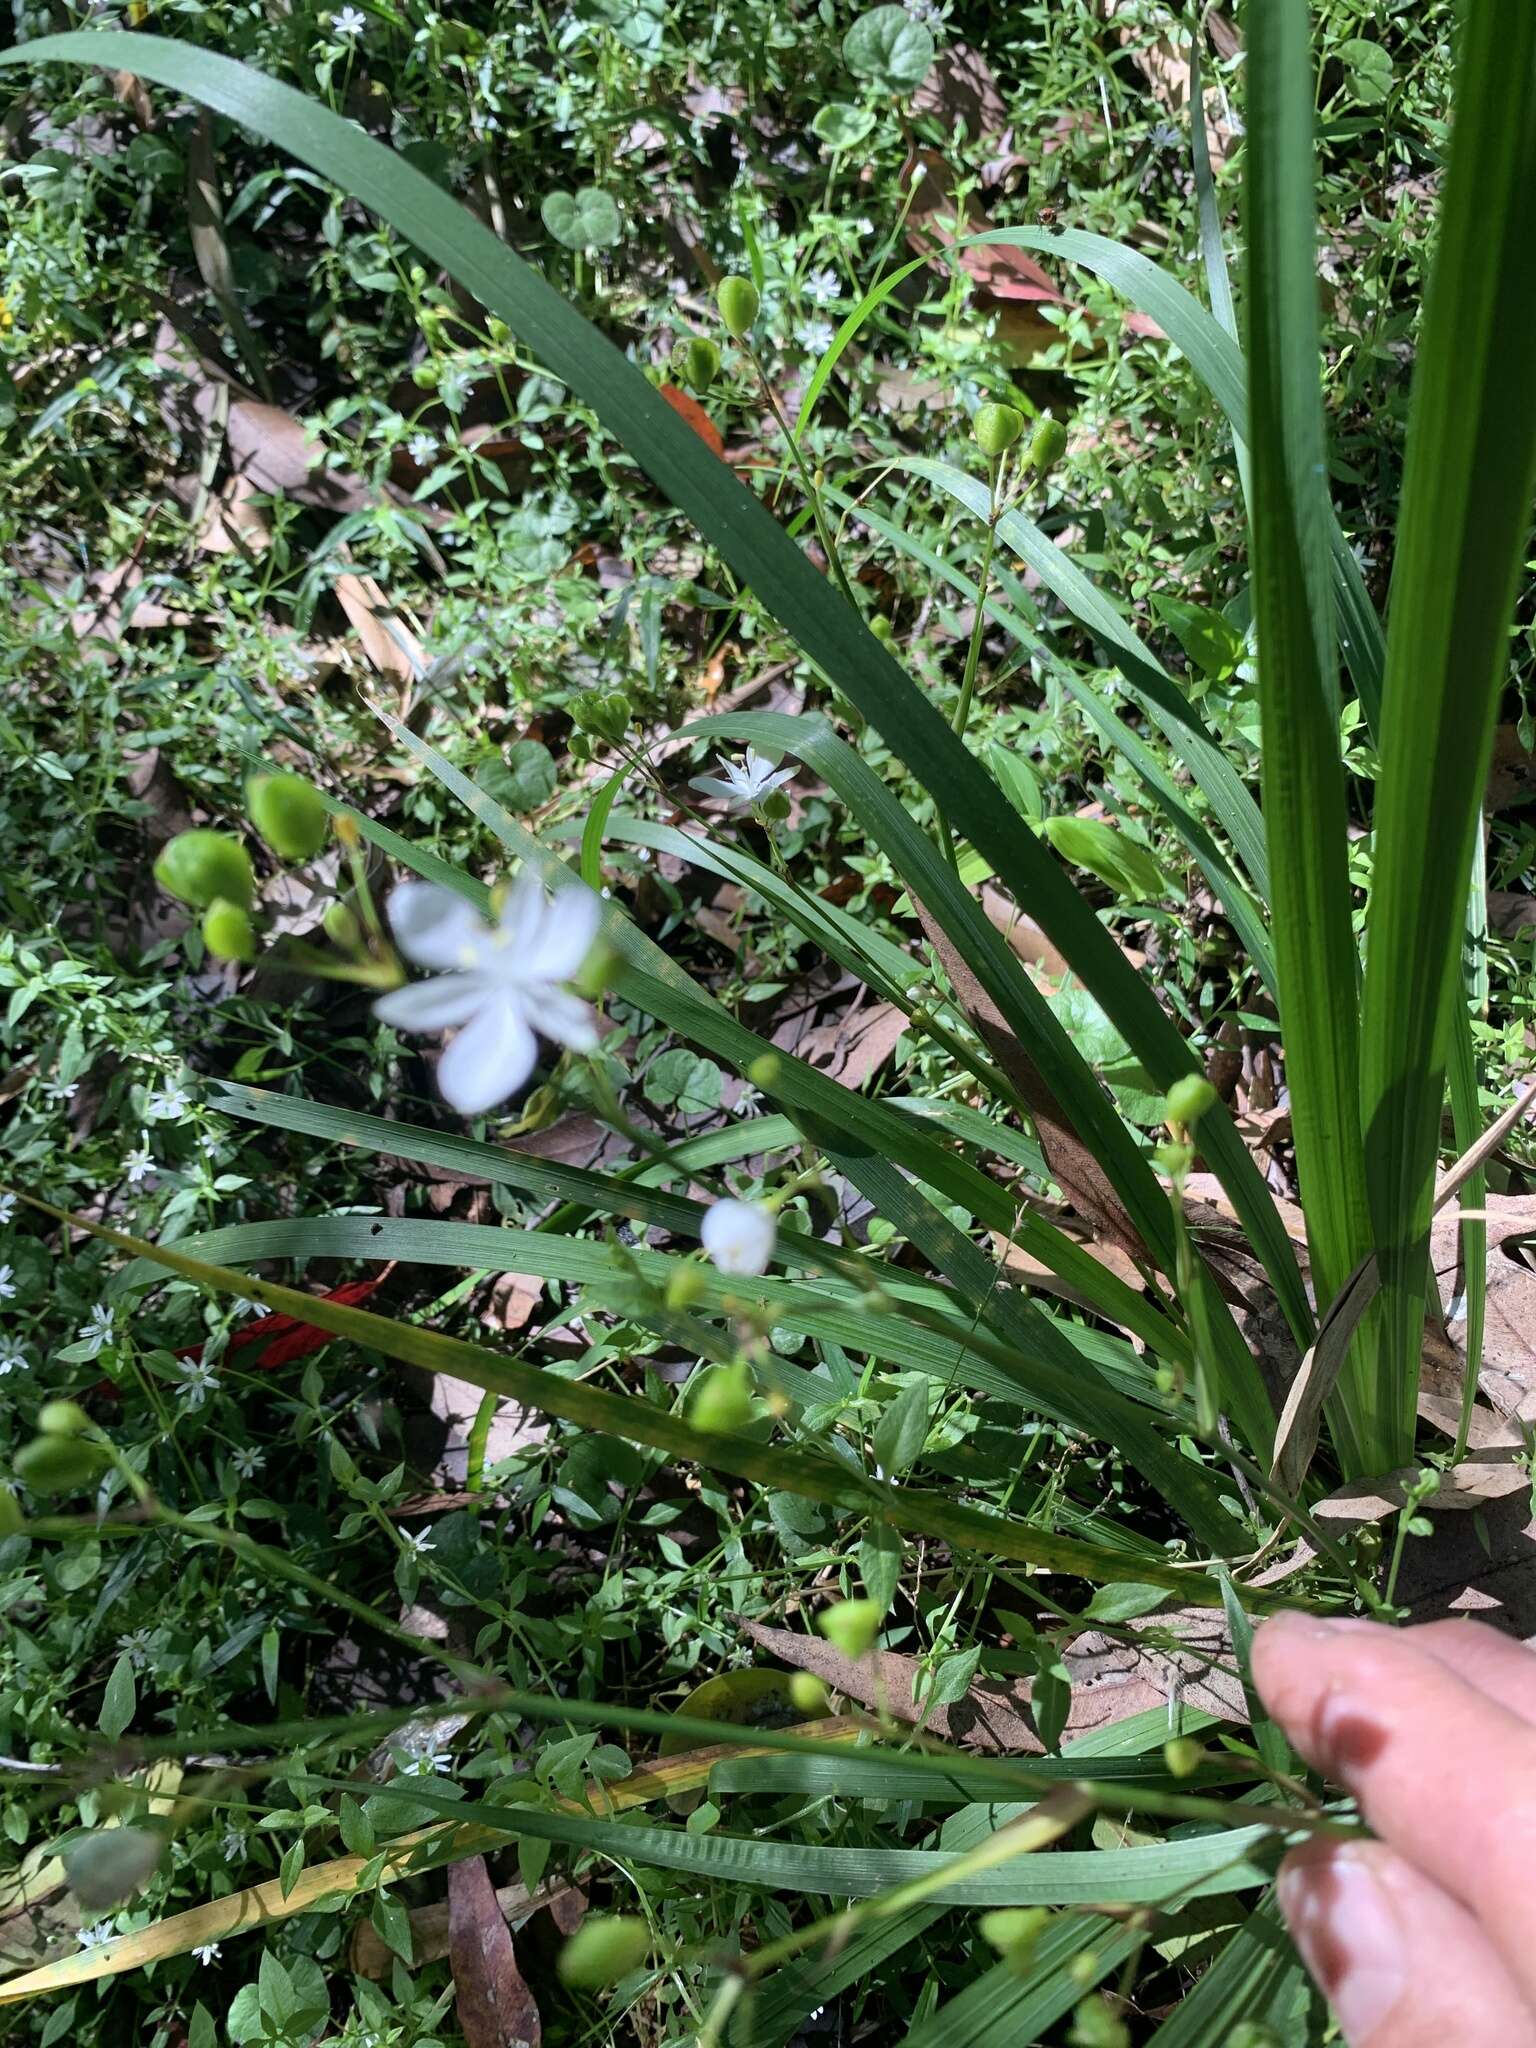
pixel 1443 1773
pixel 1402 1964
pixel 1495 1664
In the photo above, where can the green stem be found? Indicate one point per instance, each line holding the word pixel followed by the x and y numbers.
pixel 973 652
pixel 807 480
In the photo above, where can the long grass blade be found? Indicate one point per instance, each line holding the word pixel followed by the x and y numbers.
pixel 1466 512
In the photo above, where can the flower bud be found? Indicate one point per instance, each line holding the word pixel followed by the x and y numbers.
pixel 602 1950
pixel 59 1464
pixel 720 1402
pixel 196 866
pixel 341 927
pixel 851 1626
pixel 62 1418
pixel 738 300
pixel 1188 1100
pixel 1183 1756
pixel 807 1695
pixel 227 932
pixel 685 1285
pixel 883 630
pixel 1048 445
pixel 289 813
pixel 996 428
pixel 1014 1931
pixel 1095 2024
pixel 701 362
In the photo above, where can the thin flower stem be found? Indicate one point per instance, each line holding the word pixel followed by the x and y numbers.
pixel 807 479
pixel 973 651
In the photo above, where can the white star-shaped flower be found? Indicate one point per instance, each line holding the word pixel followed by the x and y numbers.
pixel 739 1236
pixel 500 982
pixel 7 1206
pixel 12 1357
pixel 97 1331
pixel 418 1540
pixel 247 1460
pixel 351 21
pixel 744 787
pixel 207 1953
pixel 170 1105
pixel 7 1284
pixel 421 448
pixel 198 1381
pixel 139 1165
pixel 824 287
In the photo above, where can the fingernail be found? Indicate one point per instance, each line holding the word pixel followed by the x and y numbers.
pixel 1344 1922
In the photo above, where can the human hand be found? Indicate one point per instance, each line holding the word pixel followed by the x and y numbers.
pixel 1426 1937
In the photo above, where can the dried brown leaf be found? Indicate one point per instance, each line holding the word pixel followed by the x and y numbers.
pixel 495 2007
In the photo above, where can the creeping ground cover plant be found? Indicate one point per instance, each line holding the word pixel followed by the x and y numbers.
pixel 1031 1358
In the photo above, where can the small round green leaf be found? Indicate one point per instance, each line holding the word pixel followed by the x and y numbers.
pixel 840 126
pixel 587 219
pixel 890 49
pixel 1369 71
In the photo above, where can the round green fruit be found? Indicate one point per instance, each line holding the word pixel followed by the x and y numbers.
pixel 197 866
pixel 996 428
pixel 289 813
pixel 739 304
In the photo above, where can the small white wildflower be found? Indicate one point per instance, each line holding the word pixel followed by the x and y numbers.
pixel 815 336
pixel 1165 136
pixel 207 1953
pixel 500 982
pixel 198 1380
pixel 739 1236
pixel 421 448
pixel 247 1460
pixel 135 1646
pixel 7 1284
pixel 7 1205
pixel 12 1357
pixel 747 785
pixel 139 1165
pixel 747 1100
pixel 170 1105
pixel 61 1091
pixel 97 1331
pixel 426 1763
pixel 351 21
pixel 926 11
pixel 418 1540
pixel 94 1937
pixel 233 1844
pixel 824 287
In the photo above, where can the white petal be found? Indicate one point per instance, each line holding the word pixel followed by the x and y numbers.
pixel 739 1236
pixel 778 781
pixel 563 938
pixel 489 1060
pixel 566 1019
pixel 711 785
pixel 434 927
pixel 432 1005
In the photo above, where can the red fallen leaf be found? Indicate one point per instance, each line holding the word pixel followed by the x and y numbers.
pixel 285 1338
pixel 495 2007
pixel 690 410
pixel 1006 272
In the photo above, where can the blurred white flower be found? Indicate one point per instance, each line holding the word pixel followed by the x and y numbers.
pixel 7 1284
pixel 97 1330
pixel 170 1105
pixel 247 1460
pixel 7 1206
pixel 93 1937
pixel 498 981
pixel 135 1646
pixel 739 1236
pixel 139 1165
pixel 421 448
pixel 12 1357
pixel 426 1763
pixel 824 287
pixel 351 21
pixel 747 785
pixel 815 336
pixel 207 1953
pixel 418 1540
pixel 61 1091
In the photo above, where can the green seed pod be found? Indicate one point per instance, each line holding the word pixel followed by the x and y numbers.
pixel 196 866
pixel 11 1517
pixel 701 362
pixel 1188 1100
pixel 1048 445
pixel 111 1864
pixel 851 1626
pixel 685 1286
pixel 1096 2025
pixel 603 1950
pixel 764 1070
pixel 775 807
pixel 1254 2034
pixel 1183 1756
pixel 227 932
pixel 738 300
pixel 1014 1931
pixel 289 813
pixel 996 428
pixel 341 927
pixel 721 1402
pixel 63 1418
pixel 883 630
pixel 59 1464
pixel 579 747
pixel 614 713
pixel 807 1694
